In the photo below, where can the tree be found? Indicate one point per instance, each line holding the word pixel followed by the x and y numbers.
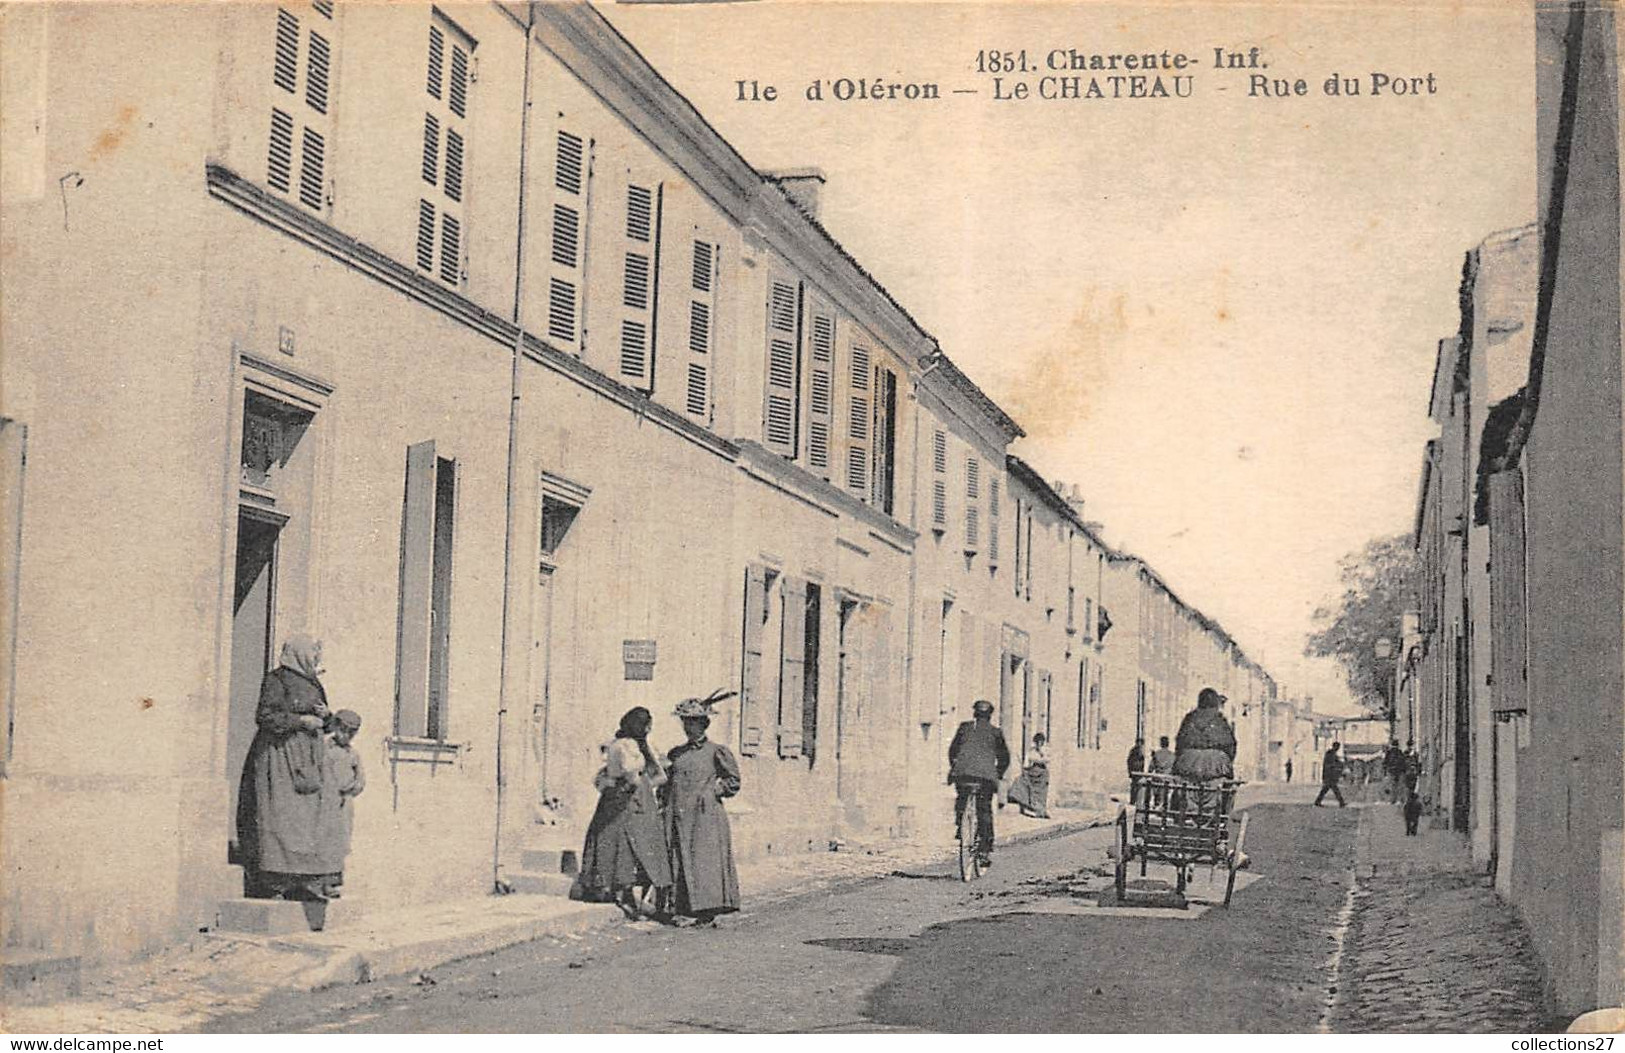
pixel 1379 585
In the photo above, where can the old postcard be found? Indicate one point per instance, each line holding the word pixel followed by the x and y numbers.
pixel 811 517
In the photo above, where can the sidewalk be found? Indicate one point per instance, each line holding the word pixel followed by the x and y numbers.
pixel 216 974
pixel 1430 947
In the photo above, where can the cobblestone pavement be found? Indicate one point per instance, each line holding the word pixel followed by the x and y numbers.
pixel 1021 950
pixel 1430 948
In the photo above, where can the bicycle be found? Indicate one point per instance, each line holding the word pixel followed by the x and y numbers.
pixel 970 860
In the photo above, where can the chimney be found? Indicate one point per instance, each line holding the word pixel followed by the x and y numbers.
pixel 803 185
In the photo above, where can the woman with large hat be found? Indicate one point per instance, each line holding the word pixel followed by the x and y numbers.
pixel 701 773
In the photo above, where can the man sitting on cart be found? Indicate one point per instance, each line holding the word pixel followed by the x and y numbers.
pixel 977 760
pixel 1205 747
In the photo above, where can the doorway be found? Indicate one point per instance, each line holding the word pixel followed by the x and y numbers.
pixel 253 628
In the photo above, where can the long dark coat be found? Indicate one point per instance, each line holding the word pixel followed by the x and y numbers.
pixel 1205 746
pixel 279 799
pixel 625 844
pixel 704 879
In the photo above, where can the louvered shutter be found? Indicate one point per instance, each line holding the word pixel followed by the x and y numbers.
pixel 939 481
pixel 821 391
pixel 302 70
pixel 859 413
pixel 567 248
pixel 702 308
pixel 640 260
pixel 750 684
pixel 973 494
pixel 993 522
pixel 783 366
pixel 884 438
pixel 1508 639
pixel 792 666
pixel 972 528
pixel 442 240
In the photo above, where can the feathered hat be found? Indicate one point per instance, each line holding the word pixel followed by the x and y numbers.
pixel 701 707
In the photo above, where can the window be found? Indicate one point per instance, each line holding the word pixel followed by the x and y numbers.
pixel 973 514
pixel 301 103
pixel 780 406
pixel 441 237
pixel 13 462
pixel 821 391
pixel 1085 716
pixel 885 439
pixel 567 257
pixel 640 282
pixel 557 519
pixel 1020 550
pixel 702 308
pixel 423 630
pixel 812 628
pixel 859 409
pixel 939 484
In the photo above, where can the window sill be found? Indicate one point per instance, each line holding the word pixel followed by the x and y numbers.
pixel 408 750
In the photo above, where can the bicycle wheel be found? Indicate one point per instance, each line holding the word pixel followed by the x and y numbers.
pixel 970 863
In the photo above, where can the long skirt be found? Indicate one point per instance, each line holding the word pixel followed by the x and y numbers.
pixel 1030 791
pixel 625 845
pixel 704 880
pixel 279 813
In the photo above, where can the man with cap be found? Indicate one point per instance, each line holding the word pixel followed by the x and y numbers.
pixel 977 760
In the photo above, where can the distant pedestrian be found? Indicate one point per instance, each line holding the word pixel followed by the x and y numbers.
pixel 1162 758
pixel 1393 767
pixel 1413 768
pixel 1289 769
pixel 1413 814
pixel 1136 758
pixel 705 882
pixel 1206 745
pixel 1030 791
pixel 342 782
pixel 1331 773
pixel 624 855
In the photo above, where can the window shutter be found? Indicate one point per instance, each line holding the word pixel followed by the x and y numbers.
pixel 702 303
pixel 812 662
pixel 301 77
pixel 572 178
pixel 750 686
pixel 441 253
pixel 972 528
pixel 939 503
pixel 783 361
pixel 821 391
pixel 884 438
pixel 1508 637
pixel 939 452
pixel 859 410
pixel 792 667
pixel 639 282
pixel 973 479
pixel 993 521
pixel 412 638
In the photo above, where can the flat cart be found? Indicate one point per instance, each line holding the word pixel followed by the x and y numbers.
pixel 1181 823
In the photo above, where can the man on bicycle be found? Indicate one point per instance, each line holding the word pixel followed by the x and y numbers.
pixel 977 759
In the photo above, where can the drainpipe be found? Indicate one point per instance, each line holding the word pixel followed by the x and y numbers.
pixel 505 685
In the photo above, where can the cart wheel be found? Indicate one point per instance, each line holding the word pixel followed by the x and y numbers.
pixel 1235 859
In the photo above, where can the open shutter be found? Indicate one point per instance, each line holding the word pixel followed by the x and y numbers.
pixel 993 522
pixel 567 251
pixel 859 420
pixel 821 391
pixel 702 308
pixel 302 67
pixel 783 366
pixel 750 686
pixel 1508 641
pixel 792 666
pixel 413 628
pixel 640 262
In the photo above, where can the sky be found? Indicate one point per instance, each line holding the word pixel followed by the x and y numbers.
pixel 1216 315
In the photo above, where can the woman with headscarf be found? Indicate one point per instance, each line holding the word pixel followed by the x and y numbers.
pixel 702 773
pixel 279 798
pixel 624 854
pixel 1206 746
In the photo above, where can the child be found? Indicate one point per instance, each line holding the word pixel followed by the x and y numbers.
pixel 341 780
pixel 1413 814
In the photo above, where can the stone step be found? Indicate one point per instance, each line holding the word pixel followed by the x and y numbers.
pixel 539 883
pixel 549 860
pixel 39 976
pixel 278 917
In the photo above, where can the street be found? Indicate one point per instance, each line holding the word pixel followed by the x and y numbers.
pixel 1024 949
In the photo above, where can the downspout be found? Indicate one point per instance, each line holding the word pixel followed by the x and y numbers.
pixel 498 884
pixel 909 701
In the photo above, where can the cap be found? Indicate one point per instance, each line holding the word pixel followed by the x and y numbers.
pixel 348 718
pixel 982 708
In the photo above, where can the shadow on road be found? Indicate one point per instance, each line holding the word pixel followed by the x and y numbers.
pixel 866 944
